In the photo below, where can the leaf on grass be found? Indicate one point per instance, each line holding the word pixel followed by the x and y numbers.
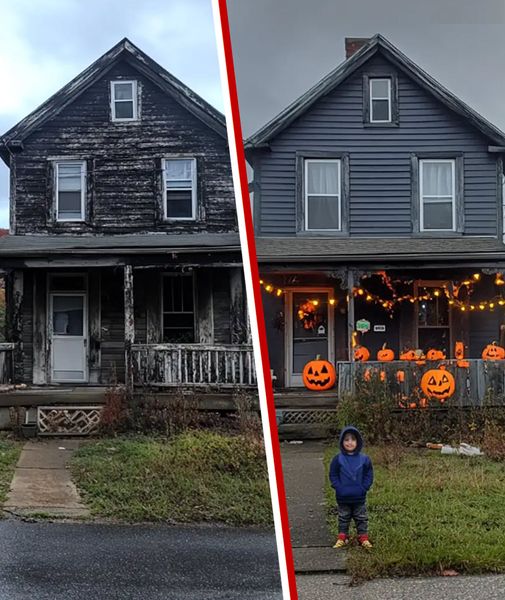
pixel 449 573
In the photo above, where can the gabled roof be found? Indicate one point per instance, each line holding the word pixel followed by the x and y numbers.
pixel 124 50
pixel 343 71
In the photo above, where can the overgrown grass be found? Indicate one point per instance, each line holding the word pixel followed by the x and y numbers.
pixel 430 512
pixel 192 477
pixel 9 455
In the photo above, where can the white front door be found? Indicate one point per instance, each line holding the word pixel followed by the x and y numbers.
pixel 309 330
pixel 68 327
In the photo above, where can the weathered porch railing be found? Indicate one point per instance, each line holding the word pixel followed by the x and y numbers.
pixel 6 362
pixel 219 366
pixel 483 381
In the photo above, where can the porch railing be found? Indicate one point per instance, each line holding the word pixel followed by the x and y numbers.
pixel 218 366
pixel 6 362
pixel 482 382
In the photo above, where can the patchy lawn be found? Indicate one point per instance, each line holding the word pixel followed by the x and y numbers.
pixel 9 455
pixel 193 477
pixel 430 512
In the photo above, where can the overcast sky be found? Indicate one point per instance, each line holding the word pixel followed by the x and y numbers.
pixel 45 44
pixel 282 47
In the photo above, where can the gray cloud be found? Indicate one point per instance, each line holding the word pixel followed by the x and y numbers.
pixel 283 47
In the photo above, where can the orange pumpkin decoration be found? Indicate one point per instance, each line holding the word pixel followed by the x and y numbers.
pixel 463 364
pixel 382 375
pixel 433 354
pixel 408 355
pixel 459 350
pixel 385 354
pixel 438 383
pixel 319 375
pixel 493 352
pixel 361 353
pixel 400 376
pixel 423 403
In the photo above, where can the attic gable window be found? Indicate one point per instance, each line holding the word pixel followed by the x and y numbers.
pixel 124 100
pixel 179 189
pixel 380 100
pixel 70 190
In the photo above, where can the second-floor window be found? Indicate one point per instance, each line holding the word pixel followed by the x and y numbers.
pixel 179 188
pixel 70 190
pixel 123 100
pixel 322 197
pixel 437 195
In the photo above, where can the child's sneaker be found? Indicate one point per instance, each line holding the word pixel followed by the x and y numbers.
pixel 365 542
pixel 342 541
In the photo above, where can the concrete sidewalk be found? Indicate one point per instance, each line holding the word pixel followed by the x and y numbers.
pixel 42 482
pixel 304 480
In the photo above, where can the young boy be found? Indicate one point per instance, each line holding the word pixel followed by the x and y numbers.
pixel 351 476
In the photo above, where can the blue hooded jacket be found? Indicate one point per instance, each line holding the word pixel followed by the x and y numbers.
pixel 351 475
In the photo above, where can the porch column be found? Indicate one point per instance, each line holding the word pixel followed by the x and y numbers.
pixel 40 327
pixel 350 312
pixel 238 317
pixel 17 324
pixel 205 306
pixel 129 325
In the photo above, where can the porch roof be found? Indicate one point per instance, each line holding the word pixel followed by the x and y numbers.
pixel 151 243
pixel 348 249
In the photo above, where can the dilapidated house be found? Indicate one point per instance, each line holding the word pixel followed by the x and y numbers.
pixel 123 259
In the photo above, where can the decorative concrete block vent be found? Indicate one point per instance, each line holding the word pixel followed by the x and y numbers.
pixel 68 420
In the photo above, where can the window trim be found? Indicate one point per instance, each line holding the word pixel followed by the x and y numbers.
pixel 306 162
pixel 194 180
pixel 388 98
pixel 82 164
pixel 393 104
pixel 452 162
pixel 113 100
pixel 195 308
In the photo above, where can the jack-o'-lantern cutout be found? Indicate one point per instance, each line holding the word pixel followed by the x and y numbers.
pixel 463 364
pixel 318 375
pixel 382 375
pixel 433 354
pixel 361 354
pixel 459 350
pixel 438 383
pixel 385 354
pixel 400 376
pixel 493 352
pixel 408 355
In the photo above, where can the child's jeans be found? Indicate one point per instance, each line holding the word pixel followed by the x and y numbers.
pixel 347 512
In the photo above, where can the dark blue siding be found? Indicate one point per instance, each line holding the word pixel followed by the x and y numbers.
pixel 380 178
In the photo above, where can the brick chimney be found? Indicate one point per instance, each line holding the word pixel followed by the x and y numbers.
pixel 352 45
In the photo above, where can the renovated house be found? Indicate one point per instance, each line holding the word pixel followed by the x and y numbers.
pixel 123 260
pixel 378 208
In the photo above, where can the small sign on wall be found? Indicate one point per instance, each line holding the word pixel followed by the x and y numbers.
pixel 379 328
pixel 362 325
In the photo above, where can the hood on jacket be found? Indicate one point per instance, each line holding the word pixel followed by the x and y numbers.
pixel 359 438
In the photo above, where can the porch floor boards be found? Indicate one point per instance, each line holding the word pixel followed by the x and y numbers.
pixel 91 395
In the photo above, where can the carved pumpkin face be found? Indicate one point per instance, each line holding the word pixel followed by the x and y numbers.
pixel 433 354
pixel 493 352
pixel 385 354
pixel 459 350
pixel 438 383
pixel 361 354
pixel 408 355
pixel 318 375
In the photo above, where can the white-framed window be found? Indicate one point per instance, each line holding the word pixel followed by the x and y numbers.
pixel 322 194
pixel 437 193
pixel 380 100
pixel 179 188
pixel 123 96
pixel 178 308
pixel 70 186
